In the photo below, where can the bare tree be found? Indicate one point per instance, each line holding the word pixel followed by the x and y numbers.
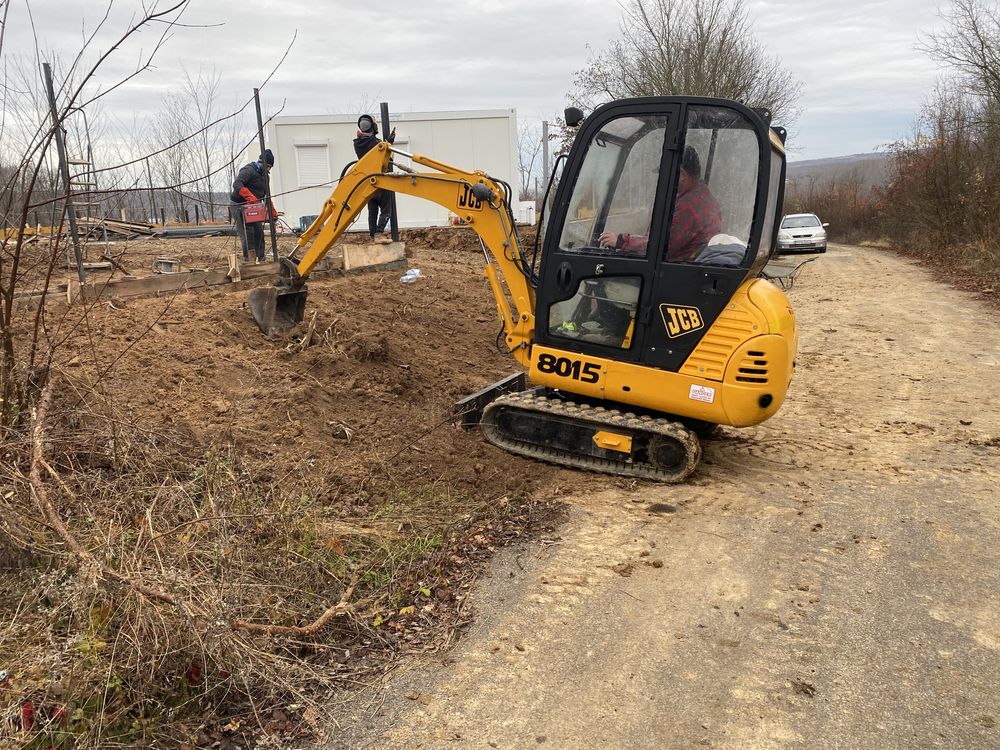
pixel 177 157
pixel 692 47
pixel 529 147
pixel 943 196
pixel 970 47
pixel 202 92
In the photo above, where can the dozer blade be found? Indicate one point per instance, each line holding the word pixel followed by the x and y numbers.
pixel 277 310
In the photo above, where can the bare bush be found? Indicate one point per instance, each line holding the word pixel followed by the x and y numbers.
pixel 943 197
pixel 146 578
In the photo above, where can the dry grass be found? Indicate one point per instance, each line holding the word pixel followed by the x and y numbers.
pixel 162 595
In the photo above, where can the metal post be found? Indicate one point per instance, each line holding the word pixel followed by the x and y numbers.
pixel 152 196
pixel 545 158
pixel 267 177
pixel 393 225
pixel 64 171
pixel 545 153
pixel 163 217
pixel 197 214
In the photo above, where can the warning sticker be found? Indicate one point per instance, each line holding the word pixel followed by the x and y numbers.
pixel 702 393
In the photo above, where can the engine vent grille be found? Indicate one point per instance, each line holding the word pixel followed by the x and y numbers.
pixel 753 369
pixel 709 358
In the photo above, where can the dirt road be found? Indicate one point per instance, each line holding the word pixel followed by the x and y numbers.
pixel 830 579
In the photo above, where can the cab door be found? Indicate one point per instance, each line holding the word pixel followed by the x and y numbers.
pixel 599 258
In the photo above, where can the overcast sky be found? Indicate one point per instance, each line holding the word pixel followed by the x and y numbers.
pixel 863 79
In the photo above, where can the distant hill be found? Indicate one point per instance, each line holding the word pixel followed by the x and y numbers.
pixel 870 169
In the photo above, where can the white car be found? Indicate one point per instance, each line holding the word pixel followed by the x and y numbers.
pixel 802 232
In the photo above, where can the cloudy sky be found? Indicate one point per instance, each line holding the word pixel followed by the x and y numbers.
pixel 863 78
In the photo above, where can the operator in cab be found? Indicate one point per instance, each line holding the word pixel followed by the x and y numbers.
pixel 697 218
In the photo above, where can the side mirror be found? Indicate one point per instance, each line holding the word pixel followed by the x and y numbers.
pixel 573 116
pixel 826 223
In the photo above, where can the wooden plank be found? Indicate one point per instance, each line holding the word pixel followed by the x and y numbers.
pixel 54 289
pixel 178 282
pixel 361 256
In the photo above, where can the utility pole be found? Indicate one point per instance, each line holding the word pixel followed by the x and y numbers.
pixel 64 172
pixel 267 177
pixel 393 225
pixel 545 161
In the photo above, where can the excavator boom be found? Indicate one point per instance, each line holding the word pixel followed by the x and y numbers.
pixel 478 199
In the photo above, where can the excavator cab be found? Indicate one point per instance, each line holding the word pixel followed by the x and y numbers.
pixel 651 325
pixel 665 209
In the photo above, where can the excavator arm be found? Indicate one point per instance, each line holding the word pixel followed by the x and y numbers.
pixel 479 200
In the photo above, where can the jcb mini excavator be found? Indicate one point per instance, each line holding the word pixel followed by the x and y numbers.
pixel 644 321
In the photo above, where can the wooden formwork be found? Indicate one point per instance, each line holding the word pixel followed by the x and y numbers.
pixel 357 258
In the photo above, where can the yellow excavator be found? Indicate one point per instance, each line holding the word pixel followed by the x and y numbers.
pixel 640 316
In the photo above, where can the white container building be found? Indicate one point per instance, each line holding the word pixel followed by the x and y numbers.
pixel 310 153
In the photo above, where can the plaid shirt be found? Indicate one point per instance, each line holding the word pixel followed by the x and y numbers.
pixel 697 219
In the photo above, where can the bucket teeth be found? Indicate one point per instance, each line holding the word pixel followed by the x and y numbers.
pixel 276 310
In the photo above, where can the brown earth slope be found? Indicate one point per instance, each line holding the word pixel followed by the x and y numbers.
pixel 374 390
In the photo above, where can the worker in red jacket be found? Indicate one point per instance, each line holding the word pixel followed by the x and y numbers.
pixel 696 219
pixel 250 186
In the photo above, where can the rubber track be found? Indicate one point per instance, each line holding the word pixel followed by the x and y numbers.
pixel 600 417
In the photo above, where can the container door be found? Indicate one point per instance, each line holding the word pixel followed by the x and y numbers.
pixel 716 218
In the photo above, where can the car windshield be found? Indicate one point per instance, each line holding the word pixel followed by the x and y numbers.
pixel 796 222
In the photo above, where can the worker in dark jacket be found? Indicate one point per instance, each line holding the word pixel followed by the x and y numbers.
pixel 381 202
pixel 250 186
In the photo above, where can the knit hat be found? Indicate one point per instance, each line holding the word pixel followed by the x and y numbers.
pixel 267 158
pixel 367 125
pixel 690 162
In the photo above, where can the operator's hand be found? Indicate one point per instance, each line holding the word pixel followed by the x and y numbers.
pixel 608 239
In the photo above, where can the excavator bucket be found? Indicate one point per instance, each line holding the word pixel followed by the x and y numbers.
pixel 277 309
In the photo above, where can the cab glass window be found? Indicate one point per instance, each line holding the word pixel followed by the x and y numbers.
pixel 602 311
pixel 614 192
pixel 716 190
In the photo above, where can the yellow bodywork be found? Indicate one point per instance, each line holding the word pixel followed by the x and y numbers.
pixel 613 442
pixel 737 375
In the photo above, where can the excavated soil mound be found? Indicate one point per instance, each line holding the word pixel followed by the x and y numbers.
pixel 363 407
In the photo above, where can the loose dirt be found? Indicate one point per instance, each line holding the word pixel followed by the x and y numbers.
pixel 826 579
pixel 372 393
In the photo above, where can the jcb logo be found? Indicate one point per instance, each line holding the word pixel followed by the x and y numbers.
pixel 467 200
pixel 681 320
